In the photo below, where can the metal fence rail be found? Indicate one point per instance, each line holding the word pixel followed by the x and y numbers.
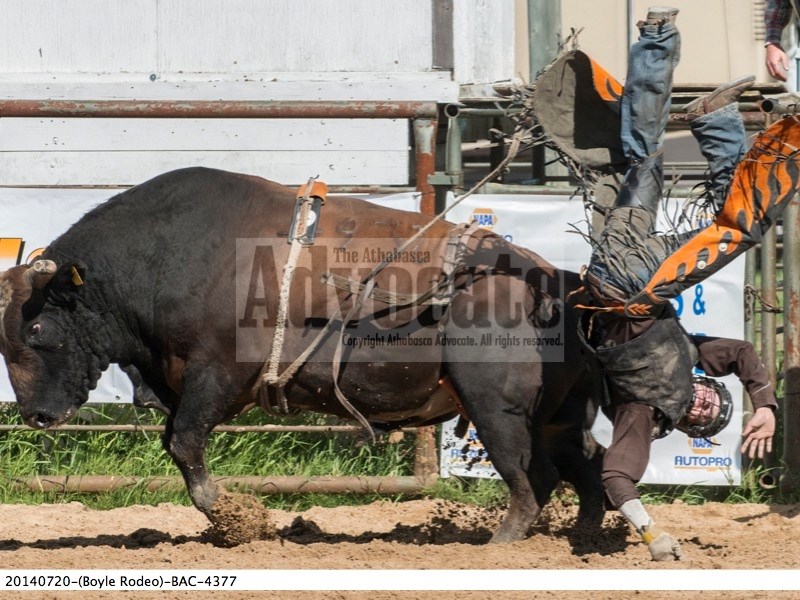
pixel 425 467
pixel 423 116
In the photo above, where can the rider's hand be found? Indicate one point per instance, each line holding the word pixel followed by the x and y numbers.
pixel 662 545
pixel 758 433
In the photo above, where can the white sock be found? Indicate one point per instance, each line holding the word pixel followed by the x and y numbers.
pixel 634 511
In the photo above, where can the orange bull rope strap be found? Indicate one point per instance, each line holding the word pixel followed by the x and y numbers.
pixel 764 183
pixel 310 198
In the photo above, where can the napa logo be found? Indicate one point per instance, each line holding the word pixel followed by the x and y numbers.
pixel 700 446
pixel 700 456
pixel 485 218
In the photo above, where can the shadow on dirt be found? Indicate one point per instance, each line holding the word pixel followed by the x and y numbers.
pixel 610 538
pixel 436 532
pixel 301 531
pixel 455 528
pixel 788 511
pixel 141 538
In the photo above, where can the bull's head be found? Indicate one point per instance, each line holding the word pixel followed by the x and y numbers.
pixel 51 365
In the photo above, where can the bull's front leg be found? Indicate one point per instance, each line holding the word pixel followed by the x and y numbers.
pixel 235 518
pixel 185 441
pixel 202 405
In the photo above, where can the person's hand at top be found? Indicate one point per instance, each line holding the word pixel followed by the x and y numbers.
pixel 777 62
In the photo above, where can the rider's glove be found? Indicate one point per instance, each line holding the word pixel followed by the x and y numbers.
pixel 662 546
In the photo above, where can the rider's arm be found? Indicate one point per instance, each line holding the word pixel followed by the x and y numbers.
pixel 723 356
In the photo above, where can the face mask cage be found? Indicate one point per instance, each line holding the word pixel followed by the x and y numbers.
pixel 717 423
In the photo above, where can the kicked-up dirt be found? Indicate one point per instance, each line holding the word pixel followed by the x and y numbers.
pixel 418 534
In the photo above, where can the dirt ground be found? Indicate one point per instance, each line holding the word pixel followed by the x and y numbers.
pixel 418 534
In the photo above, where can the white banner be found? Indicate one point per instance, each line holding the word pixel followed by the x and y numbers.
pixel 714 307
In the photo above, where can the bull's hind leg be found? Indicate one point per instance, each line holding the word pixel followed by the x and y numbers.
pixel 576 455
pixel 579 462
pixel 500 415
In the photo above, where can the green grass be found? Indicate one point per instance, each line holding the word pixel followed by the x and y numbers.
pixel 480 492
pixel 25 454
pixel 747 492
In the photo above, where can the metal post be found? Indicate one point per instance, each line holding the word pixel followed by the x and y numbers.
pixel 750 258
pixel 454 166
pixel 92 484
pixel 749 331
pixel 769 256
pixel 544 29
pixel 790 478
pixel 425 157
pixel 426 463
pixel 544 26
pixel 497 150
pixel 769 285
pixel 205 109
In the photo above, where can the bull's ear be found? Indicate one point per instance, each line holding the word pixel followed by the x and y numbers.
pixel 69 277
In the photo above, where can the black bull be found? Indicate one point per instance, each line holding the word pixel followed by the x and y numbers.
pixel 178 279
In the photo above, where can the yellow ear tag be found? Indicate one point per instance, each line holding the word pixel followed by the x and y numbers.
pixel 76 277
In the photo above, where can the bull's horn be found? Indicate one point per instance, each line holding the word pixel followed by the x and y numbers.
pixel 40 273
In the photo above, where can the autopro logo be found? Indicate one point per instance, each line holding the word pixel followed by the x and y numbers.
pixel 702 454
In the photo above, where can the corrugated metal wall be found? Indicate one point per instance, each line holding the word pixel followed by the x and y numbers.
pixel 235 50
pixel 242 37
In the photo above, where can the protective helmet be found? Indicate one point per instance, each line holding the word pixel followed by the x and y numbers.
pixel 705 390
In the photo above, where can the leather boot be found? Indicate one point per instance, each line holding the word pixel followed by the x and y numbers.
pixel 643 185
pixel 659 15
pixel 725 94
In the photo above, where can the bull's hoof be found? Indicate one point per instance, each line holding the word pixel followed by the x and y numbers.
pixel 589 521
pixel 507 535
pixel 238 519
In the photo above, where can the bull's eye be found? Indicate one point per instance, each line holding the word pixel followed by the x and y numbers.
pixel 41 336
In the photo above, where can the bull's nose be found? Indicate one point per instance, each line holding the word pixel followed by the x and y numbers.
pixel 40 420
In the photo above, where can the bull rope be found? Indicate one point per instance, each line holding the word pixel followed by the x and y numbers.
pixel 271 377
pixel 278 382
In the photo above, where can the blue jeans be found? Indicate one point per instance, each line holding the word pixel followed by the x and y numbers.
pixel 625 256
pixel 628 251
pixel 721 137
pixel 645 107
pixel 648 87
